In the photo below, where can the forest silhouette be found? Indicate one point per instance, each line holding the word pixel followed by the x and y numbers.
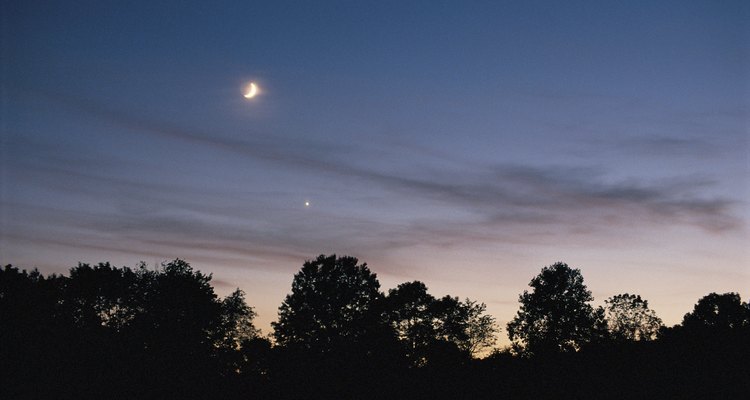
pixel 163 333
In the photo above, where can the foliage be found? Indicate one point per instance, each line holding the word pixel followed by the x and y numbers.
pixel 121 326
pixel 466 324
pixel 236 326
pixel 718 311
pixel 410 315
pixel 555 316
pixel 108 332
pixel 481 328
pixel 630 319
pixel 333 302
pixel 100 296
pixel 424 323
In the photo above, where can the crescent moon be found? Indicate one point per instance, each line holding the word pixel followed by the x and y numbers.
pixel 252 90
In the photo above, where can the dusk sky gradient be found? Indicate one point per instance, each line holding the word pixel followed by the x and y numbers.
pixel 463 144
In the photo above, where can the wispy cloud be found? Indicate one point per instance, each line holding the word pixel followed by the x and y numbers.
pixel 480 202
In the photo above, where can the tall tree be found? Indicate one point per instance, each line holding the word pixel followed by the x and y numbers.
pixel 236 326
pixel 555 316
pixel 333 301
pixel 410 312
pixel 630 319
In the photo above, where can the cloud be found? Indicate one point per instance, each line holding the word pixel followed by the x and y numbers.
pixel 472 202
pixel 668 146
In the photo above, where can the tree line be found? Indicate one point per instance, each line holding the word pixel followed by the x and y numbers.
pixel 104 332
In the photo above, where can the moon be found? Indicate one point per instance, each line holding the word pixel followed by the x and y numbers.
pixel 252 91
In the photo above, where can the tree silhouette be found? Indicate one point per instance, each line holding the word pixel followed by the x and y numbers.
pixel 465 324
pixel 35 354
pixel 108 332
pixel 104 330
pixel 236 325
pixel 178 310
pixel 480 328
pixel 100 296
pixel 630 319
pixel 410 314
pixel 424 323
pixel 333 302
pixel 555 316
pixel 718 311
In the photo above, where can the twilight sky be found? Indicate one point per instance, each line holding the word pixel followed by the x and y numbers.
pixel 464 144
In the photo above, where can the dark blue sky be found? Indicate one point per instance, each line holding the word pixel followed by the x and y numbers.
pixel 465 144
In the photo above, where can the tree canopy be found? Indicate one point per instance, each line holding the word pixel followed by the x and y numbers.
pixel 411 316
pixel 333 301
pixel 424 323
pixel 104 332
pixel 162 328
pixel 718 311
pixel 556 315
pixel 629 318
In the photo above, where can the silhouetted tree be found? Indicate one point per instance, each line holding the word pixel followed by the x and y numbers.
pixel 333 301
pixel 235 332
pixel 424 323
pixel 411 314
pixel 555 316
pixel 465 324
pixel 236 324
pixel 27 300
pixel 630 319
pixel 104 330
pixel 334 340
pixel 178 310
pixel 718 311
pixel 37 355
pixel 481 328
pixel 100 296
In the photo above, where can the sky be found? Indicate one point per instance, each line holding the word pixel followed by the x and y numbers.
pixel 463 144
